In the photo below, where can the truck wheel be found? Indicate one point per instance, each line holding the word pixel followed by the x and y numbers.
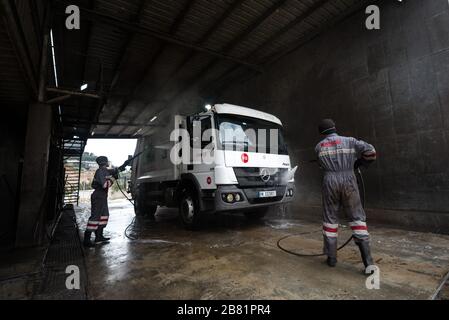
pixel 189 210
pixel 256 214
pixel 141 209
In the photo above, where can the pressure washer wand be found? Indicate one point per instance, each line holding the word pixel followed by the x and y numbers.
pixel 130 160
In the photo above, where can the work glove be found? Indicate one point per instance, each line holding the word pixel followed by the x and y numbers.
pixel 114 173
pixel 124 165
pixel 362 163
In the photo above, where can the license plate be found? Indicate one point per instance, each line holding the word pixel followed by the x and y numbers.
pixel 267 194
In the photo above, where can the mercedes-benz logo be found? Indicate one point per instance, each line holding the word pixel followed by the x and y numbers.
pixel 264 175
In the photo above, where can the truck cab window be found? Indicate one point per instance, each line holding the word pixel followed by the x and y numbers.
pixel 237 133
pixel 197 127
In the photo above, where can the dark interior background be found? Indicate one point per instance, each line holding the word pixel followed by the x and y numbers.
pixel 389 87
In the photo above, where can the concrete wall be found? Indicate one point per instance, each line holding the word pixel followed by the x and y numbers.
pixel 33 192
pixel 389 87
pixel 12 132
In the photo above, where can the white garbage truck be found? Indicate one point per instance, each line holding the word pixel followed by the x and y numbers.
pixel 226 159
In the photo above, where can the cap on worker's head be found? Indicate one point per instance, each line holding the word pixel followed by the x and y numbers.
pixel 102 161
pixel 327 126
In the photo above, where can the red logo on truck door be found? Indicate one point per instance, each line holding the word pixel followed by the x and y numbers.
pixel 245 158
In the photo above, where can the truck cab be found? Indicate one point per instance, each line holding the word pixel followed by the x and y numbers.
pixel 226 159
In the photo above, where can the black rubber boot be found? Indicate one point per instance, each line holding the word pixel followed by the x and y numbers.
pixel 331 262
pixel 99 236
pixel 365 252
pixel 86 242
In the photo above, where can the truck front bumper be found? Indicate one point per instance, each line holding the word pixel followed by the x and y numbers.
pixel 249 198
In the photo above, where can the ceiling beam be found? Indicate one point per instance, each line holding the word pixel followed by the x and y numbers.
pixel 331 22
pixel 209 33
pixel 241 37
pixel 303 41
pixel 126 47
pixel 102 136
pixel 98 17
pixel 102 123
pixel 173 30
pixel 204 38
pixel 281 32
pixel 17 36
pixel 74 92
pixel 126 51
pixel 86 50
pixel 229 47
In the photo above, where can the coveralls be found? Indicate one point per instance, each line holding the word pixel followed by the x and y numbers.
pixel 337 155
pixel 99 199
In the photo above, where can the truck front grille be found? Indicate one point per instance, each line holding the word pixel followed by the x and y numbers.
pixel 254 177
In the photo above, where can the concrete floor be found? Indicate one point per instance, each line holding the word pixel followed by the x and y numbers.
pixel 231 258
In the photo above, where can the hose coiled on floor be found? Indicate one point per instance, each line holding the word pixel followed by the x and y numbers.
pixel 361 183
pixel 306 255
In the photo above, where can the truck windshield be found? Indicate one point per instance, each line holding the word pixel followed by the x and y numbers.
pixel 239 133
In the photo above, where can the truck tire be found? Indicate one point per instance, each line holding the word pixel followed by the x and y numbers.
pixel 256 214
pixel 141 209
pixel 189 210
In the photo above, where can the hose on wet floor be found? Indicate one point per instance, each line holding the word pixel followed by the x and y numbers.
pixel 361 183
pixel 306 255
pixel 133 221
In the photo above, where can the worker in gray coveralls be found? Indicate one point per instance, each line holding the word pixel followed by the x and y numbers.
pixel 337 156
pixel 98 220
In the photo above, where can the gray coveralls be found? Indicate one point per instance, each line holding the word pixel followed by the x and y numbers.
pixel 337 156
pixel 99 199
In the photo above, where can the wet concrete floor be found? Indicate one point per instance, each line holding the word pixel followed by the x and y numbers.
pixel 233 258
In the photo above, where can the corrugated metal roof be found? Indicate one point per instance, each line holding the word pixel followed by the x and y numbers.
pixel 13 88
pixel 143 74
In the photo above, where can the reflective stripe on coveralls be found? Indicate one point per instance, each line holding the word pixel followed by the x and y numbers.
pixel 92 225
pixel 330 230
pixel 104 220
pixel 359 228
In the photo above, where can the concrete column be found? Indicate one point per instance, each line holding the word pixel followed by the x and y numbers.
pixel 34 177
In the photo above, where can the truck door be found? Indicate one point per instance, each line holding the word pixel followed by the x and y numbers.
pixel 201 150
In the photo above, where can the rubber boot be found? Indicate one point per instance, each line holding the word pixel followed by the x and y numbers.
pixel 331 262
pixel 365 252
pixel 99 236
pixel 86 242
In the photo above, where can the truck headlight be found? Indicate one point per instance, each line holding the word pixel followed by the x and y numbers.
pixel 232 197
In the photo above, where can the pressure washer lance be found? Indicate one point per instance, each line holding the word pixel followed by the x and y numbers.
pixel 361 184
